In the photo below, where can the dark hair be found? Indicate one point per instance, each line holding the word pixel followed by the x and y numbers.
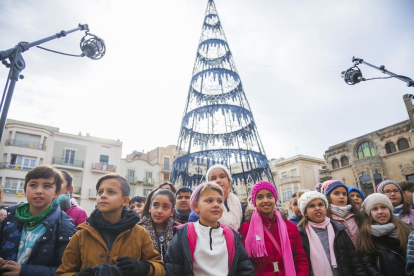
pixel 169 184
pixel 183 190
pixel 44 172
pixel 68 178
pixel 137 199
pixel 365 243
pixel 151 196
pixel 294 195
pixel 125 188
pixel 406 185
pixel 358 216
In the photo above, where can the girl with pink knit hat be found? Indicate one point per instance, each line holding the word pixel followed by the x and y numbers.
pixel 328 247
pixel 342 208
pixel 273 244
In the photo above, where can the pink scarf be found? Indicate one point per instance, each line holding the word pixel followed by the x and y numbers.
pixel 318 259
pixel 255 244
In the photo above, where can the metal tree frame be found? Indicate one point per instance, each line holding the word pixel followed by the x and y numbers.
pixel 218 124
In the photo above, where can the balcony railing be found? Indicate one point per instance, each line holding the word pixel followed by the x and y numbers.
pixel 25 144
pixel 103 167
pixel 367 161
pixel 166 167
pixel 289 179
pixel 7 165
pixel 61 161
pixel 148 181
pixel 13 191
pixel 324 175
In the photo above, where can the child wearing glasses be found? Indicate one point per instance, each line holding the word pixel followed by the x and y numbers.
pixel 402 209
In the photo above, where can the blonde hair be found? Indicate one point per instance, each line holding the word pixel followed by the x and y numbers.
pixel 210 187
pixel 301 192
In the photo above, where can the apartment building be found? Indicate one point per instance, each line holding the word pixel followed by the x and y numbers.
pixel 26 145
pixel 141 175
pixel 295 173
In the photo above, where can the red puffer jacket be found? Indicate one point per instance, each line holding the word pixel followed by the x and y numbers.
pixel 264 266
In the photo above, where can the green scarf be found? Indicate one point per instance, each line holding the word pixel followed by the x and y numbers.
pixel 29 221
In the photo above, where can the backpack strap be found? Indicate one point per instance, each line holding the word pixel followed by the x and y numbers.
pixel 229 237
pixel 192 239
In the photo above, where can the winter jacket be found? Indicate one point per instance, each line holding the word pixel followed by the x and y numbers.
pixel 77 214
pixel 295 219
pixel 178 260
pixel 345 253
pixel 409 269
pixel 389 261
pixel 350 224
pixel 47 253
pixel 88 249
pixel 264 266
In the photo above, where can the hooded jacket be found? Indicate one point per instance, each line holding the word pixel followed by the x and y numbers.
pixel 47 253
pixel 88 247
pixel 349 264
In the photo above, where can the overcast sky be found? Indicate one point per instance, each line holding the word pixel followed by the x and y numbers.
pixel 289 55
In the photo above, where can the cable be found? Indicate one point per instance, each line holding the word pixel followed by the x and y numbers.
pixel 396 76
pixel 53 51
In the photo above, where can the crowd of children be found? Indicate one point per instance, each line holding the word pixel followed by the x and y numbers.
pixel 334 231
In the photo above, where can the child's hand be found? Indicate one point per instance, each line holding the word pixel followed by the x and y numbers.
pixel 87 271
pixel 2 262
pixel 13 268
pixel 132 266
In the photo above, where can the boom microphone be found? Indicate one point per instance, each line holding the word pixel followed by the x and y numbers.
pixel 352 76
pixel 92 46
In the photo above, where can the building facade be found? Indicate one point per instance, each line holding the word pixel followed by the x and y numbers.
pixel 365 161
pixel 141 175
pixel 295 173
pixel 26 145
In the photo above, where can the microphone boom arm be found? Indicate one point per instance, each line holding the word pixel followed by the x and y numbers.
pixel 410 82
pixel 17 65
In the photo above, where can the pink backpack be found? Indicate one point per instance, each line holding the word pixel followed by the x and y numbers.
pixel 228 236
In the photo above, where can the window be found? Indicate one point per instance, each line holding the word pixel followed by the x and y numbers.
pixel 104 160
pixel 335 164
pixel 148 177
pixel 284 175
pixel 294 172
pixel 69 156
pixel 366 149
pixel 390 147
pixel 22 162
pixel 13 185
pixel 402 144
pixel 166 177
pixel 366 184
pixel 147 191
pixel 377 178
pixel 286 194
pixel 26 140
pixel 166 164
pixel 344 161
pixel 131 176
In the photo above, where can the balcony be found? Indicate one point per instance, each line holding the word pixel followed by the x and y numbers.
pixel 367 161
pixel 61 162
pixel 148 181
pixel 7 165
pixel 77 191
pixel 289 179
pixel 166 167
pixel 13 191
pixel 103 168
pixel 25 144
pixel 324 175
pixel 131 179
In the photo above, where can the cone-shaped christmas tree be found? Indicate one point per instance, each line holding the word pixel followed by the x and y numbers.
pixel 218 125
